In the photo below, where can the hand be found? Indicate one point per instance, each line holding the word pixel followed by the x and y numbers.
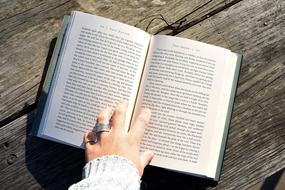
pixel 118 141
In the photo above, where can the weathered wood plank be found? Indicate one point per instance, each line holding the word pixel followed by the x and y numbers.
pixel 131 12
pixel 255 147
pixel 25 39
pixel 31 163
pixel 27 31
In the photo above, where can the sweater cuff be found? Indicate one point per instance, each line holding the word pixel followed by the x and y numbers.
pixel 110 164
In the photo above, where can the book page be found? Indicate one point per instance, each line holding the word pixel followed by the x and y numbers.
pixel 184 85
pixel 101 62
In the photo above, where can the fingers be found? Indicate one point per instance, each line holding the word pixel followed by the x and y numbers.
pixel 118 119
pixel 89 139
pixel 141 122
pixel 89 145
pixel 103 118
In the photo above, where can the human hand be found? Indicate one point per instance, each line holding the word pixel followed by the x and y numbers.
pixel 117 141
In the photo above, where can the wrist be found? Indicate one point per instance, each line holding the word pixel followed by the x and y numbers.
pixel 110 164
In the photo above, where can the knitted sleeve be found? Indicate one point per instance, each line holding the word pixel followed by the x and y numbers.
pixel 109 172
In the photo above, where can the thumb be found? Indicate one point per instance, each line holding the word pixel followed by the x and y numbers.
pixel 146 157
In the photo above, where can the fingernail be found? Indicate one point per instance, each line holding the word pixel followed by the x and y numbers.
pixel 146 112
pixel 151 153
pixel 123 101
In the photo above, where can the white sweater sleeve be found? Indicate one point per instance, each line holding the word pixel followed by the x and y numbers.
pixel 109 172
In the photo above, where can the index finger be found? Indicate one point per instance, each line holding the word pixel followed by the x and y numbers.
pixel 137 129
pixel 119 116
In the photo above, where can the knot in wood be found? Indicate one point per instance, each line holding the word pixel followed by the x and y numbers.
pixel 11 159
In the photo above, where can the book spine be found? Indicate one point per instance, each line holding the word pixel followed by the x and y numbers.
pixel 229 117
pixel 47 82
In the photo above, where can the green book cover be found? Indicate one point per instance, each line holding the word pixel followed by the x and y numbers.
pixel 229 116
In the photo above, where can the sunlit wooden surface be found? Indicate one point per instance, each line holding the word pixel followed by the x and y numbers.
pixel 254 28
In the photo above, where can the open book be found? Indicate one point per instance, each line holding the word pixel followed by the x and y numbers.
pixel 189 86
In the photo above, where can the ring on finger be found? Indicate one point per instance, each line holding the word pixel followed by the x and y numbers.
pixel 100 127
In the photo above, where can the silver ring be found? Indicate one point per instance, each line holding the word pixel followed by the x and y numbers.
pixel 100 127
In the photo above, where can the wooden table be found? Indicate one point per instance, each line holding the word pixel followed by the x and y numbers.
pixel 255 28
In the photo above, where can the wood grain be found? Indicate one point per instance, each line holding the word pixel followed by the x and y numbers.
pixel 28 162
pixel 256 143
pixel 24 43
pixel 26 33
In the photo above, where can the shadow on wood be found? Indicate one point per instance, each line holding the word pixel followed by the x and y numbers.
pixel 272 181
pixel 53 165
pixel 159 178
